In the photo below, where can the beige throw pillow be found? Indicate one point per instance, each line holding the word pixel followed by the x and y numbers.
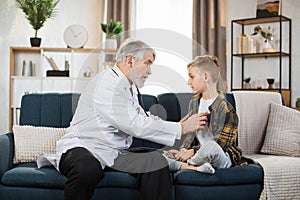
pixel 283 132
pixel 32 141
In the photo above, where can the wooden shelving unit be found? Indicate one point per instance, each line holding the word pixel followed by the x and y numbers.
pixel 40 82
pixel 279 54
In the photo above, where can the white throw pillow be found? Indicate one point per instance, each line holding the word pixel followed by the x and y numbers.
pixel 283 132
pixel 32 141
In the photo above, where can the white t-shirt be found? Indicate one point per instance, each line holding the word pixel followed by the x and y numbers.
pixel 203 135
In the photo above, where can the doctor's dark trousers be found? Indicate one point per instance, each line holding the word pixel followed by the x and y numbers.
pixel 84 171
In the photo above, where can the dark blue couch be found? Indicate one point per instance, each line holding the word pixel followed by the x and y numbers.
pixel 25 181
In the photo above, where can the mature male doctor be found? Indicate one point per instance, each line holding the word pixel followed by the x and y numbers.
pixel 108 115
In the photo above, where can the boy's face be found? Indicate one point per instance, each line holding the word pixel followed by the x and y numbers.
pixel 196 80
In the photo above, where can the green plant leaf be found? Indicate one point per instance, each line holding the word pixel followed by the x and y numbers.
pixel 37 11
pixel 247 80
pixel 112 28
pixel 103 27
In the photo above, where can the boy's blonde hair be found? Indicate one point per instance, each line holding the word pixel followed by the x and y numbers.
pixel 208 64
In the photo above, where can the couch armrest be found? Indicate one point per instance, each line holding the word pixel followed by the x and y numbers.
pixel 6 152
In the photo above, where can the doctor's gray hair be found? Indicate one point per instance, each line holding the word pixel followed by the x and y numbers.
pixel 134 48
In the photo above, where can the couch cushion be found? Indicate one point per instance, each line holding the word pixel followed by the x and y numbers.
pixel 253 109
pixel 175 104
pixel 31 141
pixel 230 98
pixel 250 174
pixel 170 105
pixel 149 101
pixel 283 132
pixel 40 110
pixel 50 109
pixel 118 179
pixel 28 175
pixel 68 103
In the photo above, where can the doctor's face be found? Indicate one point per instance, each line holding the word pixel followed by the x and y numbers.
pixel 142 68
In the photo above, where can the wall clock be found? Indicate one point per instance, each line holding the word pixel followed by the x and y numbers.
pixel 75 36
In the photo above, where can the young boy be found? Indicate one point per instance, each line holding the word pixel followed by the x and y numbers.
pixel 214 147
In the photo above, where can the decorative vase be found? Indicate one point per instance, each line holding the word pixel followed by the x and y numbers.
pixel 270 82
pixel 111 43
pixel 247 85
pixel 258 41
pixel 35 41
pixel 268 47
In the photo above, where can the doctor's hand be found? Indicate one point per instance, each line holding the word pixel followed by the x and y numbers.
pixel 172 153
pixel 194 123
pixel 183 156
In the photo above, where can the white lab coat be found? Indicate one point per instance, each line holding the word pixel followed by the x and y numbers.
pixel 108 116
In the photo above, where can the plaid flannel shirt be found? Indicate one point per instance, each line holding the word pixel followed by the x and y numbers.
pixel 222 123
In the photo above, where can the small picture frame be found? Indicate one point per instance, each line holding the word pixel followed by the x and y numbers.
pixel 268 8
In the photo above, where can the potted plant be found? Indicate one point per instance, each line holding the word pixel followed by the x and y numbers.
pixel 37 12
pixel 112 29
pixel 247 84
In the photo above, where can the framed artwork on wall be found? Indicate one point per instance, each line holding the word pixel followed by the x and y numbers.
pixel 268 8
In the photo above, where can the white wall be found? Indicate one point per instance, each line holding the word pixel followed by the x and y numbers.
pixel 237 9
pixel 16 31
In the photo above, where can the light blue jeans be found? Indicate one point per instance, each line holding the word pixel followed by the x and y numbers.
pixel 210 152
